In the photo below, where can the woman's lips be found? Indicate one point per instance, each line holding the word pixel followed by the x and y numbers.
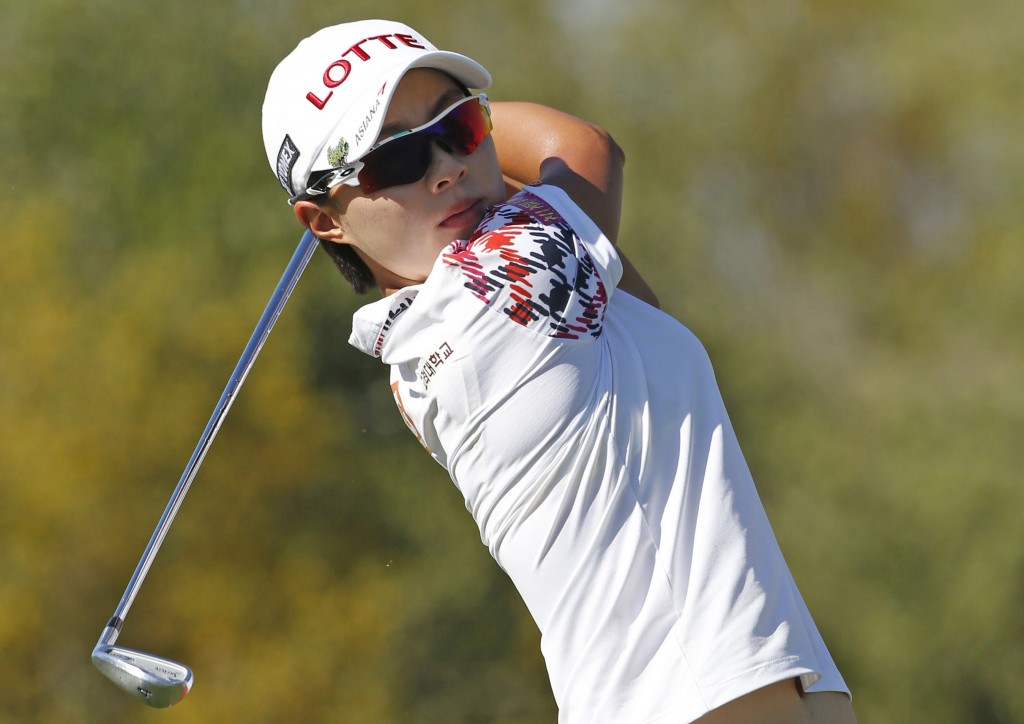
pixel 462 215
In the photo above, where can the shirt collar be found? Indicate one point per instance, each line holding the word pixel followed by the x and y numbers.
pixel 373 323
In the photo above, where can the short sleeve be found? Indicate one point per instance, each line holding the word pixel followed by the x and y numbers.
pixel 545 272
pixel 600 247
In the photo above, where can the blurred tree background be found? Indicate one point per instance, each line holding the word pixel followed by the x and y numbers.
pixel 829 194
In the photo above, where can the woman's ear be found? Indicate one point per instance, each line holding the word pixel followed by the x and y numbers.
pixel 320 221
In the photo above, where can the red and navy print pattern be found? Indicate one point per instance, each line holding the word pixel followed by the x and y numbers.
pixel 525 259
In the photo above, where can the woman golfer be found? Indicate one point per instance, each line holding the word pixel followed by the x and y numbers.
pixel 583 426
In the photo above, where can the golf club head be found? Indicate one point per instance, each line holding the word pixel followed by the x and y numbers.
pixel 158 682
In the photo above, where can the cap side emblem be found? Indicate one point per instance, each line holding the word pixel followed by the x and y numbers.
pixel 287 155
pixel 338 153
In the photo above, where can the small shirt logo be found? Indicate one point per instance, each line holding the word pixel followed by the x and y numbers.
pixel 428 366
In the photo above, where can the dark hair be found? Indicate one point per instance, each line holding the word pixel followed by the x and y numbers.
pixel 349 263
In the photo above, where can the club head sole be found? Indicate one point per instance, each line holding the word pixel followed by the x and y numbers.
pixel 157 681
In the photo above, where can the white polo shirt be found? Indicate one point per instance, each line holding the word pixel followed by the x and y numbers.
pixel 587 434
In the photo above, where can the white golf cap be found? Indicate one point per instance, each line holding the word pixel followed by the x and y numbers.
pixel 327 99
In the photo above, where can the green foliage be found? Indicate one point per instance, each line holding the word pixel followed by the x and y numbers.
pixel 828 194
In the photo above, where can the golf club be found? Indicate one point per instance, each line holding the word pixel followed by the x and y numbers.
pixel 158 681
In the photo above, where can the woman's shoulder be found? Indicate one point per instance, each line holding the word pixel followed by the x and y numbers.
pixel 527 260
pixel 530 207
pixel 519 241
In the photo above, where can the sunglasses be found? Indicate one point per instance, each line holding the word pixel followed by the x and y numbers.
pixel 405 157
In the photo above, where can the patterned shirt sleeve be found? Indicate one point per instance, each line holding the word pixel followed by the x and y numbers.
pixel 527 262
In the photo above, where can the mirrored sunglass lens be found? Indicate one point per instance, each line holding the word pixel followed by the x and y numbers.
pixel 406 159
pixel 465 127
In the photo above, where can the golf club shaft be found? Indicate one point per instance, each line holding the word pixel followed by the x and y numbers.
pixel 300 258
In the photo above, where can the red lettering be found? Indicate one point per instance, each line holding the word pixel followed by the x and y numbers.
pixel 334 83
pixel 316 101
pixel 384 39
pixel 360 53
pixel 409 40
pixel 330 79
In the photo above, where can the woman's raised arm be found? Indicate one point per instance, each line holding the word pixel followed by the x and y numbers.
pixel 538 143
